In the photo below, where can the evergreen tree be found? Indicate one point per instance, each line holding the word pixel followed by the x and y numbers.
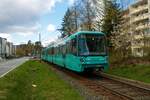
pixel 65 30
pixel 111 20
pixel 69 24
pixel 112 17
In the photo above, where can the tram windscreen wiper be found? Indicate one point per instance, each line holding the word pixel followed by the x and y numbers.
pixel 92 44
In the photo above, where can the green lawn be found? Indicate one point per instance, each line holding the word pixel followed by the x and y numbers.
pixel 35 81
pixel 137 72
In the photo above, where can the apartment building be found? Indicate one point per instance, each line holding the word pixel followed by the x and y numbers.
pixel 137 18
pixel 7 49
pixel 99 13
pixel 3 42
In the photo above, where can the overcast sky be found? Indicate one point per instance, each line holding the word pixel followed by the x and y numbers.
pixel 23 20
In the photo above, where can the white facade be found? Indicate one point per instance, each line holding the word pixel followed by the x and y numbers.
pixel 99 6
pixel 138 18
pixel 0 47
pixel 11 49
pixel 3 47
pixel 14 50
pixel 7 49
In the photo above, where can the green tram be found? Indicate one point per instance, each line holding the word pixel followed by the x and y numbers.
pixel 82 51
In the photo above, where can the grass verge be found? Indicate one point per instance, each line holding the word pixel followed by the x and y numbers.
pixel 136 72
pixel 35 81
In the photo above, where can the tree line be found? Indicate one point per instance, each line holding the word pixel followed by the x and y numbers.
pixel 29 49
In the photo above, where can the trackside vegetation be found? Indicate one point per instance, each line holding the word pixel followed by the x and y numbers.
pixel 135 72
pixel 35 81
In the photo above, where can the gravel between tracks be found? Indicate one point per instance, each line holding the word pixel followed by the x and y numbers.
pixel 88 94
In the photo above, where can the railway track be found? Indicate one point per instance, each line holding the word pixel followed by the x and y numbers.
pixel 112 89
pixel 133 90
pixel 128 91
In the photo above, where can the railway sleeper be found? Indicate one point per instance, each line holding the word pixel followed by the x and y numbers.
pixel 142 98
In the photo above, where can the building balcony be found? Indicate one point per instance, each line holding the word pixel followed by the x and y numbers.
pixel 137 51
pixel 147 35
pixel 140 17
pixel 143 26
pixel 139 9
pixel 138 36
pixel 137 45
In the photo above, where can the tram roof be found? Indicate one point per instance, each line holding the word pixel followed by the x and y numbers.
pixel 72 36
pixel 85 32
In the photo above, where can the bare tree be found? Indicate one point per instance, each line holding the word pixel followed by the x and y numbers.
pixel 87 15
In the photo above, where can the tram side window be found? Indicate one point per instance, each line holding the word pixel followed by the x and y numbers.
pixel 63 49
pixel 56 50
pixel 60 49
pixel 52 50
pixel 68 47
pixel 42 53
pixel 74 46
pixel 49 51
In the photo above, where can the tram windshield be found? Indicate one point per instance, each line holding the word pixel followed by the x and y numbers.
pixel 92 45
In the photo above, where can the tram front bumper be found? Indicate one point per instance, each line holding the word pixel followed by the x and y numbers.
pixel 92 66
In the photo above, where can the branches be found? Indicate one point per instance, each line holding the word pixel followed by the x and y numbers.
pixel 83 15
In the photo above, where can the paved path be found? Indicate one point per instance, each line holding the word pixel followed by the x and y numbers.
pixel 7 66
